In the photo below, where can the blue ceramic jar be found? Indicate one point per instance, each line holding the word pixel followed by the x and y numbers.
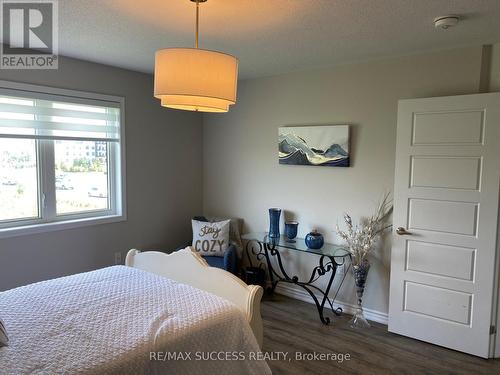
pixel 291 230
pixel 314 240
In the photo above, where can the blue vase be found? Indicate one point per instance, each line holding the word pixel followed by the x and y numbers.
pixel 291 230
pixel 314 240
pixel 274 222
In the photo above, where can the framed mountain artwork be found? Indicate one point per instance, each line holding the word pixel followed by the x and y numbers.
pixel 326 146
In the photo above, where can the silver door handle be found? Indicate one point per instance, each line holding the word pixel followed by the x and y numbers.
pixel 402 231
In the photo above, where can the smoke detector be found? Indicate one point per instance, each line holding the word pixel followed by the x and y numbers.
pixel 445 22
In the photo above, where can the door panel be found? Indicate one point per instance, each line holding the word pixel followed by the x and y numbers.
pixel 441 260
pixel 445 304
pixel 462 127
pixel 445 172
pixel 446 194
pixel 435 215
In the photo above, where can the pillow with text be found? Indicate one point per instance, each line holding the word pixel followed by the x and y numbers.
pixel 211 238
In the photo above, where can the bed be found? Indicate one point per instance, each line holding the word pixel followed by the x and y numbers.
pixel 157 314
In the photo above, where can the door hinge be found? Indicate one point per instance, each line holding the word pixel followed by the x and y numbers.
pixel 493 330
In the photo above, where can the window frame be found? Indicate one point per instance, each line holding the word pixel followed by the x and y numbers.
pixel 48 220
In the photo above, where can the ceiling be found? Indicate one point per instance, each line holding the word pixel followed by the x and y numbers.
pixel 270 36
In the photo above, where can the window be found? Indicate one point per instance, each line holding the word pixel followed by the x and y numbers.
pixel 81 182
pixel 61 158
pixel 18 178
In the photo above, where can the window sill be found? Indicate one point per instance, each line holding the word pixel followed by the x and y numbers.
pixel 59 225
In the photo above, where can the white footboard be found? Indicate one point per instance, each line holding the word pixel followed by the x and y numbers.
pixel 188 267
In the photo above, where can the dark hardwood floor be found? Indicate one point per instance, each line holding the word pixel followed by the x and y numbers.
pixel 293 326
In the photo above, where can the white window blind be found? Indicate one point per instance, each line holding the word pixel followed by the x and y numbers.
pixel 26 114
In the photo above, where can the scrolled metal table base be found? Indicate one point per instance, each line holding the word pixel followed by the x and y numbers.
pixel 327 264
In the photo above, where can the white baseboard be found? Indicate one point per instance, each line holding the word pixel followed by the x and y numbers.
pixel 302 295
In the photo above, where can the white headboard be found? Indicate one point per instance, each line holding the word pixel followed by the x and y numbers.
pixel 188 267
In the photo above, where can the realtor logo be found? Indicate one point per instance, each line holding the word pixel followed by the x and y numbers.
pixel 29 34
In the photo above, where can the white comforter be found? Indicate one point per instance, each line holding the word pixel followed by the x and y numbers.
pixel 110 320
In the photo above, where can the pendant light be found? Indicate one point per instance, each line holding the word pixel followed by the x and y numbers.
pixel 195 79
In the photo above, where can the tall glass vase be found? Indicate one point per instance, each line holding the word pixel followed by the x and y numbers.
pixel 360 273
pixel 274 222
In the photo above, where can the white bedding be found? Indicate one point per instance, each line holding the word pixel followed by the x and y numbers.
pixel 108 321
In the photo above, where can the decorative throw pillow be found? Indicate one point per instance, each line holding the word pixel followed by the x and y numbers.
pixel 4 339
pixel 211 239
pixel 234 230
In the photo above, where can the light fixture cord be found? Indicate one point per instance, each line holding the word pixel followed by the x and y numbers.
pixel 197 21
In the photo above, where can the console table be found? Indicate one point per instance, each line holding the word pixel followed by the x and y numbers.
pixel 262 247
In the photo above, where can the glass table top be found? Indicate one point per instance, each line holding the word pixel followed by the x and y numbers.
pixel 298 244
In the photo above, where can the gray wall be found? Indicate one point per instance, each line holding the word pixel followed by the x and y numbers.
pixel 163 157
pixel 495 68
pixel 245 179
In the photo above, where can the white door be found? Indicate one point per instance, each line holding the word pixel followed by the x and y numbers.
pixel 446 202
